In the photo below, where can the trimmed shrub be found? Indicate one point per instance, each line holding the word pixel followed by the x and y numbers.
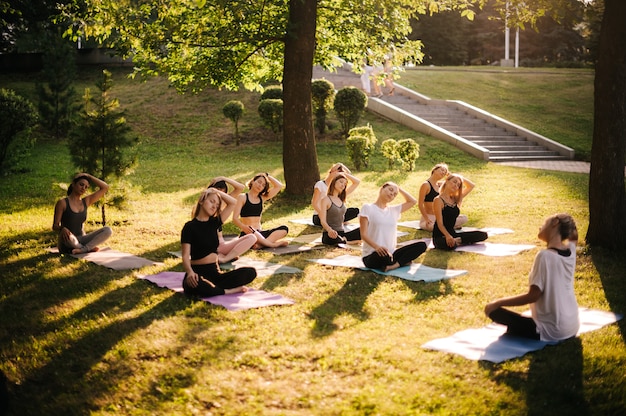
pixel 349 105
pixel 360 144
pixel 271 113
pixel 408 151
pixel 322 96
pixel 389 149
pixel 18 116
pixel 233 110
pixel 272 92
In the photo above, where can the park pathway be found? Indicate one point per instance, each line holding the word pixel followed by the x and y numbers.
pixel 471 129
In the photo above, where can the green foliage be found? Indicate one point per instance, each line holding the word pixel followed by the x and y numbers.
pixel 272 92
pixel 101 142
pixel 322 95
pixel 18 116
pixel 271 113
pixel 408 151
pixel 57 98
pixel 389 149
pixel 233 110
pixel 349 105
pixel 360 145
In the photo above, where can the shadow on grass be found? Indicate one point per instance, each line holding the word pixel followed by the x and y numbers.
pixel 349 299
pixel 554 382
pixel 611 267
pixel 66 382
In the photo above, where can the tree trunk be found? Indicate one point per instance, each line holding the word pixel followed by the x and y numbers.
pixel 299 152
pixel 607 197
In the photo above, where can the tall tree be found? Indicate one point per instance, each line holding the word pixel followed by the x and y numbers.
pixel 607 196
pixel 228 44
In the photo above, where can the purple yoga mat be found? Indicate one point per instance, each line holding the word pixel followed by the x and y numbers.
pixel 253 298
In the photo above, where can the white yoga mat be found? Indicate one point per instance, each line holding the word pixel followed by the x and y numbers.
pixel 113 259
pixel 414 272
pixel 490 344
pixel 495 249
pixel 263 268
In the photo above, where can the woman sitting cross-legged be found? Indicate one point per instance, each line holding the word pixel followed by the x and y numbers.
pixel 249 207
pixel 447 208
pixel 379 233
pixel 199 241
pixel 332 214
pixel 553 305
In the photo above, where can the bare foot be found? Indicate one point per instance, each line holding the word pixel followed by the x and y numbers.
pixel 392 267
pixel 93 250
pixel 240 289
pixel 281 243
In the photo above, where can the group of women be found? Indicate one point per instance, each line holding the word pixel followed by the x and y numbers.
pixel 551 294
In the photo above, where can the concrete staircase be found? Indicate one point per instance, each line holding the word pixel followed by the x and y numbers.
pixel 471 129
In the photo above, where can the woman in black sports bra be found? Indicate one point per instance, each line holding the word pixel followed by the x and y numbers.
pixel 427 193
pixel 447 207
pixel 249 207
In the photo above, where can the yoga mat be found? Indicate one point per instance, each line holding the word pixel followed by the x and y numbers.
pixel 489 230
pixel 490 343
pixel 411 224
pixel 112 259
pixel 414 272
pixel 253 298
pixel 304 221
pixel 495 249
pixel 263 268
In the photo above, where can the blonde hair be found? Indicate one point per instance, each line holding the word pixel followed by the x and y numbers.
pixel 203 196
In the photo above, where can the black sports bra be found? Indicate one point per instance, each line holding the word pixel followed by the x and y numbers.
pixel 430 197
pixel 251 210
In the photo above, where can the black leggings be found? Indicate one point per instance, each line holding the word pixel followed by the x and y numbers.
pixel 227 280
pixel 347 236
pixel 467 237
pixel 351 213
pixel 403 256
pixel 519 325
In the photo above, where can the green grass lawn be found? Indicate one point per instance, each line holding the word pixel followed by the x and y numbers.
pixel 77 338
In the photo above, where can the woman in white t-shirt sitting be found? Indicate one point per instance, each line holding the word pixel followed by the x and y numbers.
pixel 379 233
pixel 553 306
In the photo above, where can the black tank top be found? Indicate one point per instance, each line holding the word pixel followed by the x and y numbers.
pixel 430 197
pixel 251 210
pixel 74 221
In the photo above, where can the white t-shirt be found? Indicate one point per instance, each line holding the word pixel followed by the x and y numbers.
pixel 323 188
pixel 556 311
pixel 382 226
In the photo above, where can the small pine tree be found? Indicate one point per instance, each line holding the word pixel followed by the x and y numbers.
pixel 322 95
pixel 100 143
pixel 233 110
pixel 57 97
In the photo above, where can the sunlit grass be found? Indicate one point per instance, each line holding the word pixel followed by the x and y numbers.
pixel 77 338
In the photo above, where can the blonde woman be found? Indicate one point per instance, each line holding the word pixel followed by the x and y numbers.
pixel 428 191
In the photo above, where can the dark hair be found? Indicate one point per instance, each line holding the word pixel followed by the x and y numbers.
pixel 219 185
pixel 331 187
pixel 266 189
pixel 75 181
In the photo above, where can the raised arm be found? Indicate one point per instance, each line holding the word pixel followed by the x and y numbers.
pixel 409 200
pixel 238 187
pixel 275 187
pixel 354 182
pixel 468 186
pixel 230 205
pixel 103 187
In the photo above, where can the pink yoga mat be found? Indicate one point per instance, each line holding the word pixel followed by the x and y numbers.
pixel 253 298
